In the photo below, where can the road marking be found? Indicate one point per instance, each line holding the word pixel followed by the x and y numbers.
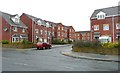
pixel 21 64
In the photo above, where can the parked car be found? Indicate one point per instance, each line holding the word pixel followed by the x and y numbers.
pixel 43 45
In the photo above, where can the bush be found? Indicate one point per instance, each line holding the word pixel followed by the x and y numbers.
pixel 69 41
pixel 58 42
pixel 86 44
pixel 26 42
pixel 5 42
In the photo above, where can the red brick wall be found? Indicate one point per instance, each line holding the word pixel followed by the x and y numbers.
pixel 6 34
pixel 107 20
pixel 28 22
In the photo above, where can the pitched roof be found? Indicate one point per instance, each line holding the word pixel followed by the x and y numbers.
pixel 109 11
pixel 8 17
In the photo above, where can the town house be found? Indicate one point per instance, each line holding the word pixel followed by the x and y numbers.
pixel 38 29
pixel 12 28
pixel 105 22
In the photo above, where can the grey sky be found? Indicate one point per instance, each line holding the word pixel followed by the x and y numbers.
pixel 69 12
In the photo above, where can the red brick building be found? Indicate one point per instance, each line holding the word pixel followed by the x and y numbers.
pixel 85 35
pixel 39 30
pixel 105 22
pixel 71 33
pixel 12 28
pixel 78 36
pixel 61 32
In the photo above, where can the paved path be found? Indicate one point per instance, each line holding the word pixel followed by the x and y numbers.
pixel 91 56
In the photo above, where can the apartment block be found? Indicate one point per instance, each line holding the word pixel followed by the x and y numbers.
pixel 105 22
pixel 12 28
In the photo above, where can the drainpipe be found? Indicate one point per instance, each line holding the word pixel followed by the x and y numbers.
pixel 32 31
pixel 91 30
pixel 113 27
pixel 10 34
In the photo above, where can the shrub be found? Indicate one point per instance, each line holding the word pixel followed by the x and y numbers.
pixel 26 42
pixel 5 42
pixel 57 41
pixel 86 44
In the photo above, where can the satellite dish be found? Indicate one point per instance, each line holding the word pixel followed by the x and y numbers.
pixel 5 29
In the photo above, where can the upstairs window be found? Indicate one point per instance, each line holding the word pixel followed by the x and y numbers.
pixel 96 27
pixel 47 24
pixel 101 15
pixel 36 30
pixel 105 26
pixel 118 26
pixel 45 32
pixel 16 19
pixel 58 33
pixel 58 27
pixel 41 31
pixel 62 28
pixel 39 22
pixel 23 30
pixel 15 29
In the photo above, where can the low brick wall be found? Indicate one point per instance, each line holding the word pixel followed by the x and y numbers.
pixel 20 46
pixel 113 51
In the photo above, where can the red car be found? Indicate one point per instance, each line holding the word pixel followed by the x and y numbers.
pixel 42 45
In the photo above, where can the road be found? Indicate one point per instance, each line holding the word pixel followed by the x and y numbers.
pixel 50 60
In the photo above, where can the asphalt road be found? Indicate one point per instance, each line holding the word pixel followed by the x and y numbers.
pixel 50 60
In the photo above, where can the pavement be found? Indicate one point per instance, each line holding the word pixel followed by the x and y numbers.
pixel 91 56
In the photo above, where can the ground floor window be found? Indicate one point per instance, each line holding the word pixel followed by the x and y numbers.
pixel 96 38
pixel 15 39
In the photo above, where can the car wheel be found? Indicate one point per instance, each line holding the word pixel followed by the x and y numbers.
pixel 37 48
pixel 43 48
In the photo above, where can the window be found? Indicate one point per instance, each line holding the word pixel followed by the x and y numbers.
pixel 58 28
pixel 105 26
pixel 62 28
pixel 70 30
pixel 52 27
pixel 101 15
pixel 96 27
pixel 118 26
pixel 47 24
pixel 41 31
pixel 45 32
pixel 49 33
pixel 39 22
pixel 16 20
pixel 36 30
pixel 15 29
pixel 52 33
pixel 23 30
pixel 58 33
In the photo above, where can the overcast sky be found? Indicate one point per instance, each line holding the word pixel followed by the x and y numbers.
pixel 69 12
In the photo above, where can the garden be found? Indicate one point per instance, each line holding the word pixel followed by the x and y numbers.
pixel 96 47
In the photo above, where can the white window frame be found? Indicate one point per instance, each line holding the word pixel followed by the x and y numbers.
pixel 62 28
pixel 58 27
pixel 106 27
pixel 15 29
pixel 118 26
pixel 45 32
pixel 41 31
pixel 52 33
pixel 23 30
pixel 96 27
pixel 58 33
pixel 39 22
pixel 101 15
pixel 36 31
